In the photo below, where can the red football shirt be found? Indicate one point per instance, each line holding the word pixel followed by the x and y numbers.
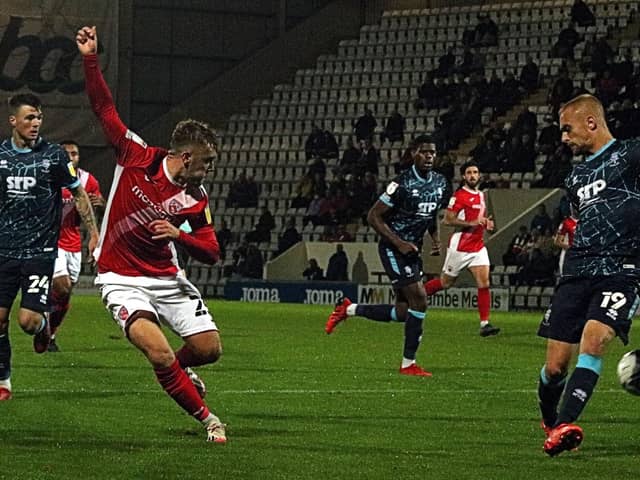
pixel 70 239
pixel 468 205
pixel 143 191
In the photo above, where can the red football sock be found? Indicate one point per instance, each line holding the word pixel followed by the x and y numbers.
pixel 59 308
pixel 177 384
pixel 484 302
pixel 432 286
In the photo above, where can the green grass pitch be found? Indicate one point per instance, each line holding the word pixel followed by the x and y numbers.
pixel 303 405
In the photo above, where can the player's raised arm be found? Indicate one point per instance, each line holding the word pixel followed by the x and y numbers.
pixel 97 89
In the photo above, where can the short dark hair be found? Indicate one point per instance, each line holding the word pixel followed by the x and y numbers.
pixel 419 140
pixel 17 101
pixel 70 142
pixel 190 132
pixel 467 164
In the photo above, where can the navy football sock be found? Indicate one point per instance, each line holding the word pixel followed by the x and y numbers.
pixel 412 333
pixel 549 393
pixel 580 387
pixel 578 392
pixel 379 313
pixel 5 356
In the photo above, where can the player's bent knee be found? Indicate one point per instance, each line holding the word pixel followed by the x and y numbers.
pixel 29 320
pixel 555 371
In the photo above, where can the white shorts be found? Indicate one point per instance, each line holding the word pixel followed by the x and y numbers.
pixel 176 302
pixel 457 261
pixel 68 264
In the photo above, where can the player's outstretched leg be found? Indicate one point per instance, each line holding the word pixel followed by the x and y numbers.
pixel 338 315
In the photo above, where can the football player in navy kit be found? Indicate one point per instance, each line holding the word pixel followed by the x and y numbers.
pixel 32 174
pixel 401 216
pixel 597 293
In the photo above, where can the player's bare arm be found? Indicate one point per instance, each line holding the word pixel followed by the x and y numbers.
pixel 83 206
pixel 87 40
pixel 375 219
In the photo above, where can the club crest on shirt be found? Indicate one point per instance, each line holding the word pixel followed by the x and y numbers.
pixel 174 207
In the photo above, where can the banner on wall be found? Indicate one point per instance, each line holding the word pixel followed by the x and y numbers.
pixel 38 55
pixel 312 293
pixel 457 298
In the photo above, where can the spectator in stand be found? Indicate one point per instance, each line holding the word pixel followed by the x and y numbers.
pixel 304 192
pixel 237 190
pixel 350 157
pixel 339 207
pixel 429 94
pixel 404 161
pixel 445 165
pixel 360 271
pixel 446 63
pixel 313 144
pixel 369 159
pixel 321 144
pixel 541 221
pixel 549 138
pixel 512 89
pixel 582 15
pixel 365 196
pixel 623 70
pixel 607 88
pixel 318 212
pixel 262 230
pixel 338 266
pixel 486 32
pixel 317 167
pixel 365 126
pixel 330 145
pixel 516 253
pixel 527 122
pixel 313 273
pixel 602 55
pixel 530 75
pixel 224 236
pixel 290 236
pixel 567 41
pixel 248 261
pixel 394 128
pixel 243 192
pixel 537 271
pixel 561 91
pixel 555 169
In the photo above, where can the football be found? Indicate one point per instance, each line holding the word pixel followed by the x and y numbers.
pixel 629 372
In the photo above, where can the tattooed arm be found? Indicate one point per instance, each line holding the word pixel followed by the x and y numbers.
pixel 83 206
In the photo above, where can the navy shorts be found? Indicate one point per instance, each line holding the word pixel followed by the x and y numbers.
pixel 32 276
pixel 612 300
pixel 402 269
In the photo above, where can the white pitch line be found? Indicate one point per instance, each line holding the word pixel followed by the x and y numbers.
pixel 307 392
